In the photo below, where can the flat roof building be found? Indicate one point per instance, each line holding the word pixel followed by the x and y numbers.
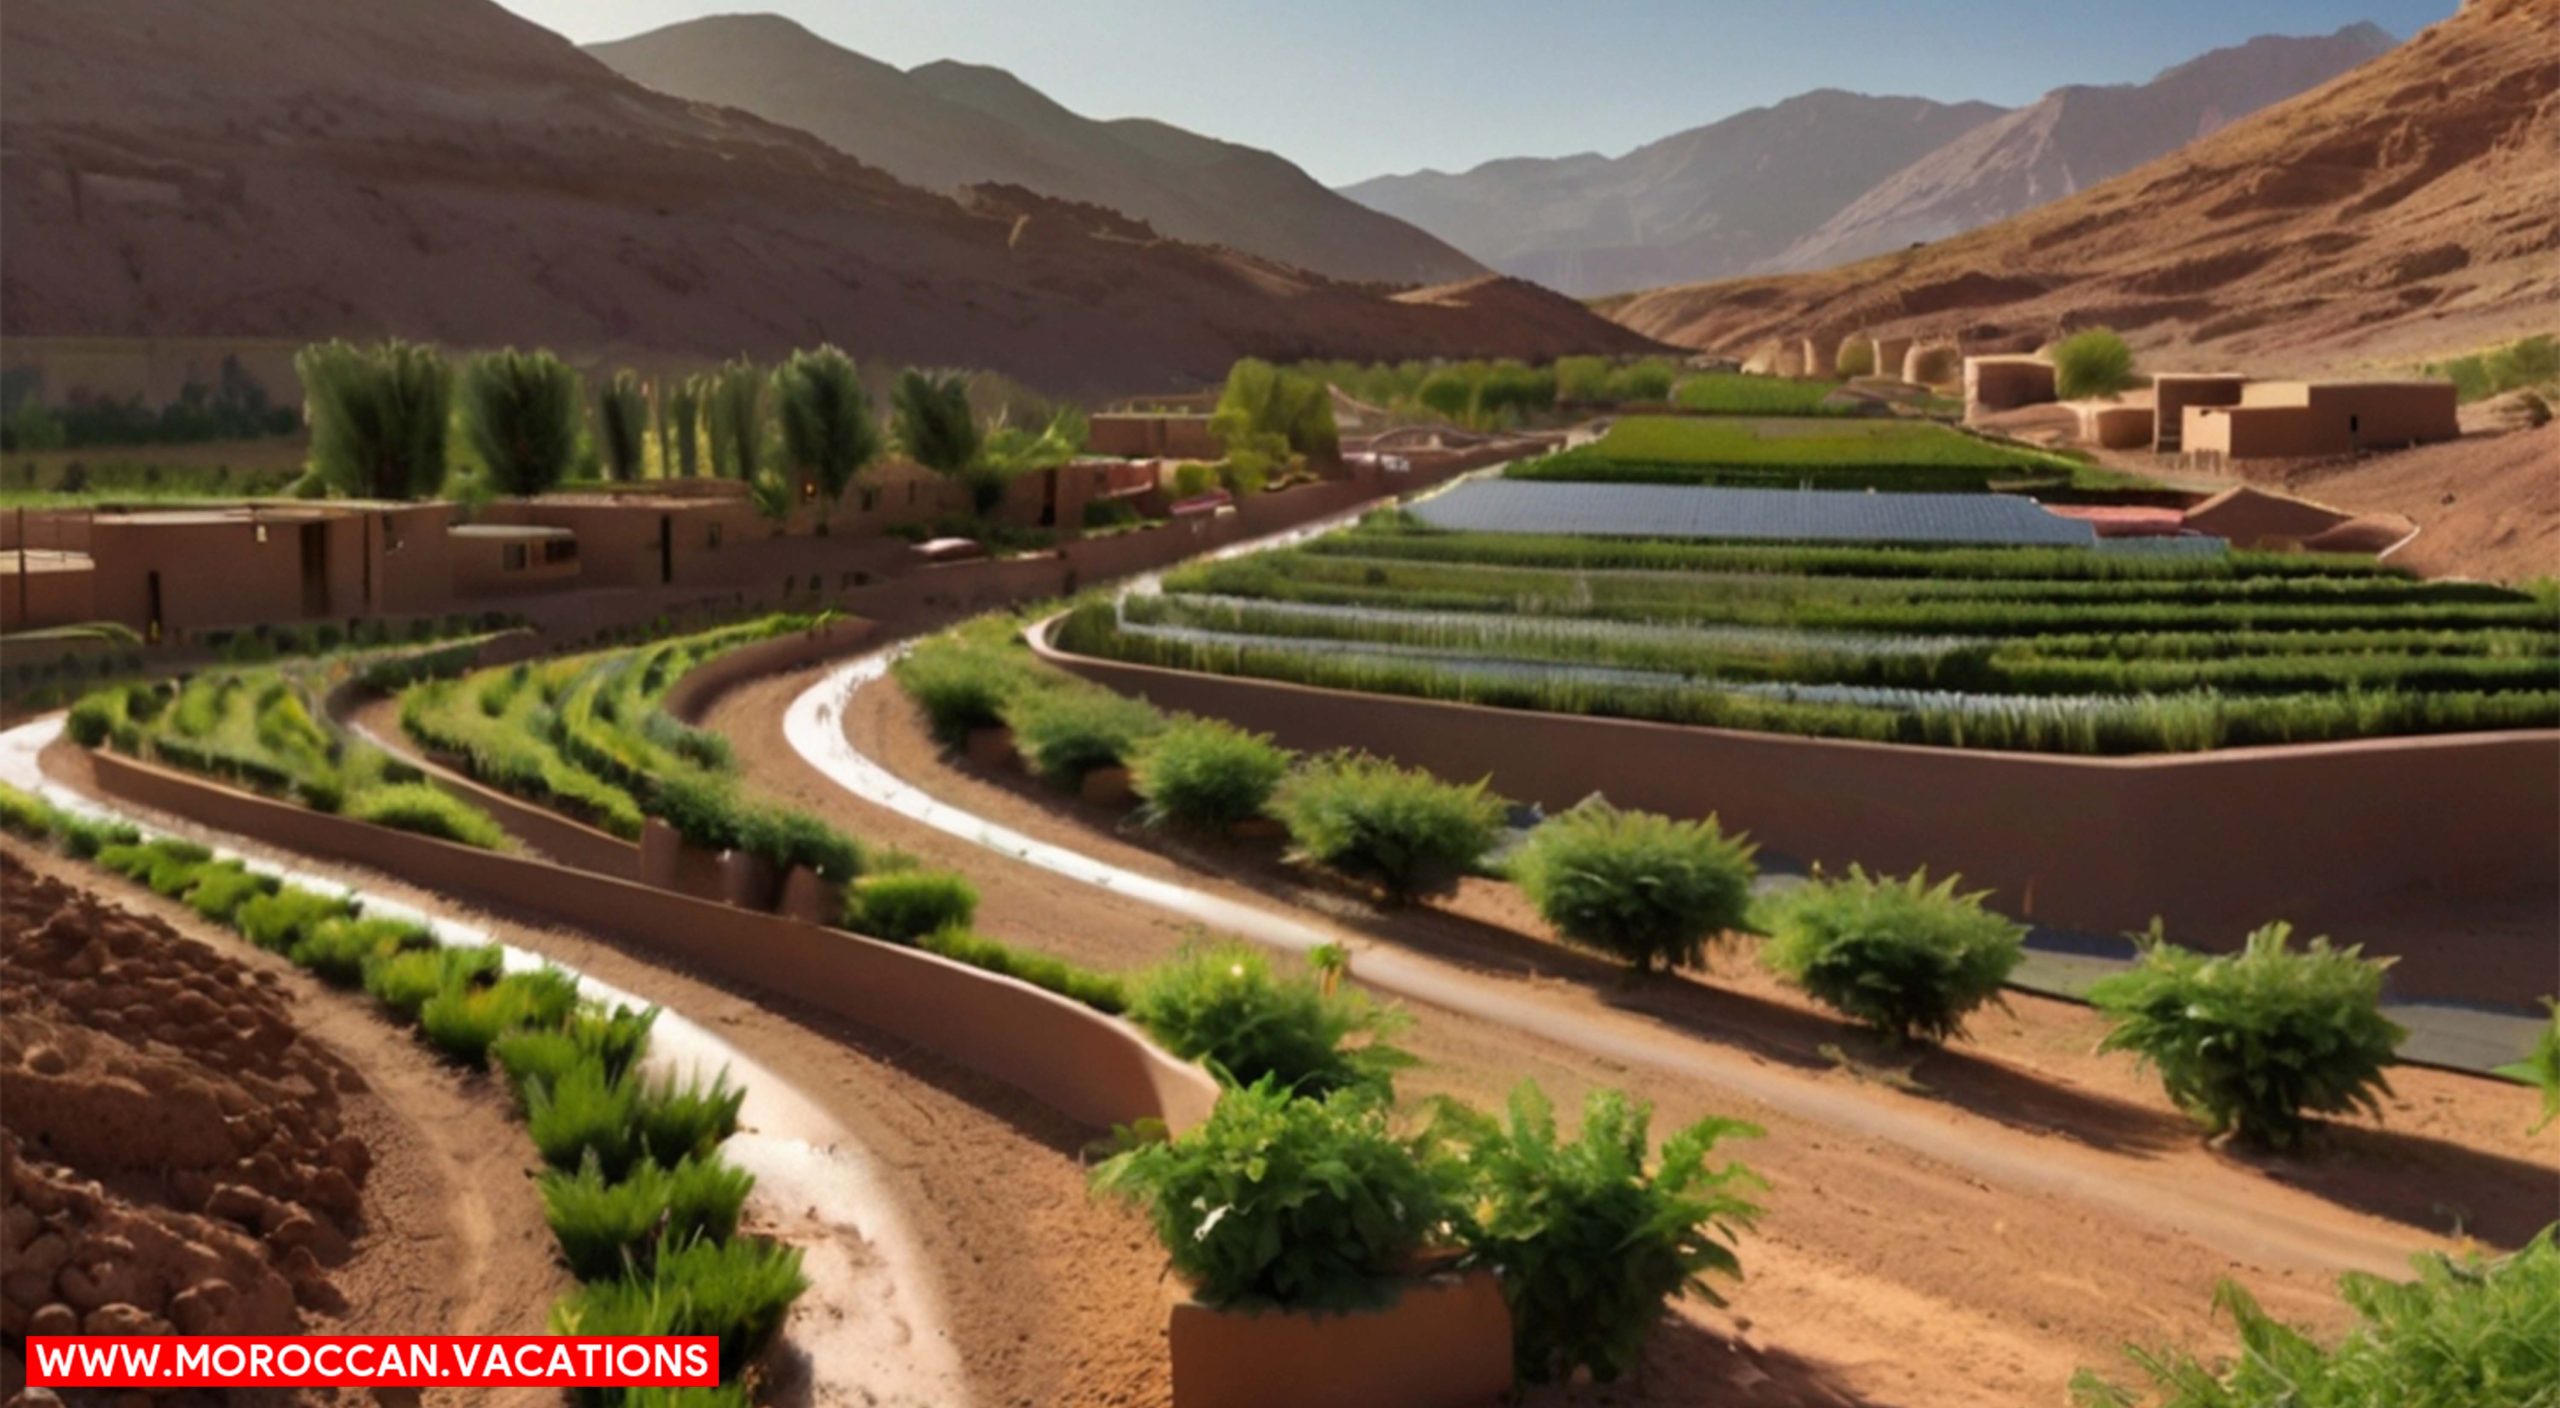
pixel 2317 419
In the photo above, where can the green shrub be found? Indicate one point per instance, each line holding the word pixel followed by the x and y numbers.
pixel 682 1120
pixel 1905 957
pixel 1365 816
pixel 521 413
pixel 405 979
pixel 615 1037
pixel 1066 731
pixel 1589 1243
pixel 1206 773
pixel 2093 362
pixel 1102 992
pixel 463 1022
pixel 279 921
pixel 1222 1004
pixel 420 807
pixel 2541 1069
pixel 94 718
pixel 84 837
pixel 738 1290
pixel 378 417
pixel 789 838
pixel 1285 1200
pixel 585 1114
pixel 25 814
pixel 2248 1042
pixel 220 890
pixel 906 905
pixel 607 1227
pixel 959 686
pixel 2474 1332
pixel 1641 887
pixel 337 949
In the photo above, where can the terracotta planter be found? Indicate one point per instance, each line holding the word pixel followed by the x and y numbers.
pixel 992 748
pixel 1445 1342
pixel 669 864
pixel 1109 787
pixel 809 896
pixel 749 881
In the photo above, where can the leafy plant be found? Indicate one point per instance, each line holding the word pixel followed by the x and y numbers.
pixel 1223 1004
pixel 1206 773
pixel 622 425
pixel 422 808
pixel 2247 1043
pixel 2470 1332
pixel 1591 1243
pixel 337 949
pixel 1285 1200
pixel 1905 957
pixel 520 415
pixel 1067 730
pixel 959 687
pixel 935 426
pixel 684 1119
pixel 585 1114
pixel 2541 1068
pixel 280 921
pixel 1102 992
pixel 905 905
pixel 738 1290
pixel 1363 815
pixel 378 416
pixel 736 413
pixel 220 890
pixel 680 442
pixel 607 1227
pixel 463 1021
pixel 828 430
pixel 403 980
pixel 2093 362
pixel 1645 888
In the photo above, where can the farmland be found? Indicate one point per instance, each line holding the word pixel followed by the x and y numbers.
pixel 2047 650
pixel 1788 451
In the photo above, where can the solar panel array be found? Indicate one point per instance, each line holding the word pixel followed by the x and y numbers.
pixel 1753 515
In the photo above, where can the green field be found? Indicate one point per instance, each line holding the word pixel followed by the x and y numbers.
pixel 1829 452
pixel 1733 394
pixel 2036 649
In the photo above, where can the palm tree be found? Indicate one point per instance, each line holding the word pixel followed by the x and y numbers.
pixel 828 430
pixel 937 429
pixel 520 411
pixel 378 417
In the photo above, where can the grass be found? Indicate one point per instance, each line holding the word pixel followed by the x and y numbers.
pixel 1734 394
pixel 1696 450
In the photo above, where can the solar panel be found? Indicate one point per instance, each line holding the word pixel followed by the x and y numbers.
pixel 1761 515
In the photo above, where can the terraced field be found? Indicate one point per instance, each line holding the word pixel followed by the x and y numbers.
pixel 2050 650
pixel 1829 452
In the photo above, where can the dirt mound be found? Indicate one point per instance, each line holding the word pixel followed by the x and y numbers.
pixel 175 1154
pixel 2485 505
pixel 2406 210
pixel 300 168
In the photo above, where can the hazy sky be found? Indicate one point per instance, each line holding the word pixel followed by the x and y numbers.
pixel 1355 88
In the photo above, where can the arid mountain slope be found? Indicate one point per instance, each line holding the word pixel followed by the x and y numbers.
pixel 1713 201
pixel 2409 208
pixel 449 171
pixel 2074 138
pixel 946 126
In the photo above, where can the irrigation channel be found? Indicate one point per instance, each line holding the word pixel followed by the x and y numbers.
pixel 870 1326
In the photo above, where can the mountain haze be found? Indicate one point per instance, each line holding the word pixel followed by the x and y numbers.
pixel 2408 209
pixel 449 171
pixel 1714 200
pixel 946 126
pixel 2074 138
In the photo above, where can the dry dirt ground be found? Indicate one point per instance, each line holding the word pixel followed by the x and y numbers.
pixel 199 1135
pixel 2485 505
pixel 1052 1297
pixel 1879 1275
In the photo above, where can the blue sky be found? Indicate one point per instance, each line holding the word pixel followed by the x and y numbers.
pixel 1355 88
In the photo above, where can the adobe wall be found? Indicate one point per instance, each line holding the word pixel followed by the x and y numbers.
pixel 1930 364
pixel 46 595
pixel 1096 1070
pixel 2216 843
pixel 1886 356
pixel 1444 1343
pixel 2005 383
pixel 2172 393
pixel 2370 415
pixel 212 573
pixel 2115 427
pixel 1132 436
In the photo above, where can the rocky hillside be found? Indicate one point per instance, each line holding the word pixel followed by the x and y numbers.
pixel 2407 209
pixel 946 126
pixel 450 171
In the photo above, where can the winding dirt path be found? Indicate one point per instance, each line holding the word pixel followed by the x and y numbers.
pixel 1975 1242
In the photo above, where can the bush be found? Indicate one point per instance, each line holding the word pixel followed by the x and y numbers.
pixel 1902 956
pixel 279 922
pixel 2090 363
pixel 606 1228
pixel 404 980
pixel 1282 1200
pixel 2478 1332
pixel 906 905
pixel 25 814
pixel 1100 991
pixel 1223 1005
pixel 1068 730
pixel 794 838
pixel 463 1022
pixel 1362 815
pixel 585 1114
pixel 1644 888
pixel 737 1290
pixel 687 1120
pixel 2248 1042
pixel 220 890
pixel 420 807
pixel 2541 1069
pixel 1590 1245
pixel 94 718
pixel 1206 773
pixel 338 949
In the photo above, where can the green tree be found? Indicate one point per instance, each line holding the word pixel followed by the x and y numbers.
pixel 378 417
pixel 622 425
pixel 520 412
pixel 1581 380
pixel 1266 415
pixel 937 428
pixel 735 408
pixel 828 430
pixel 2094 362
pixel 680 443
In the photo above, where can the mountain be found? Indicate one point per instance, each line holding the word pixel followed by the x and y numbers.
pixel 2407 209
pixel 302 168
pixel 2075 138
pixel 1712 201
pixel 946 126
